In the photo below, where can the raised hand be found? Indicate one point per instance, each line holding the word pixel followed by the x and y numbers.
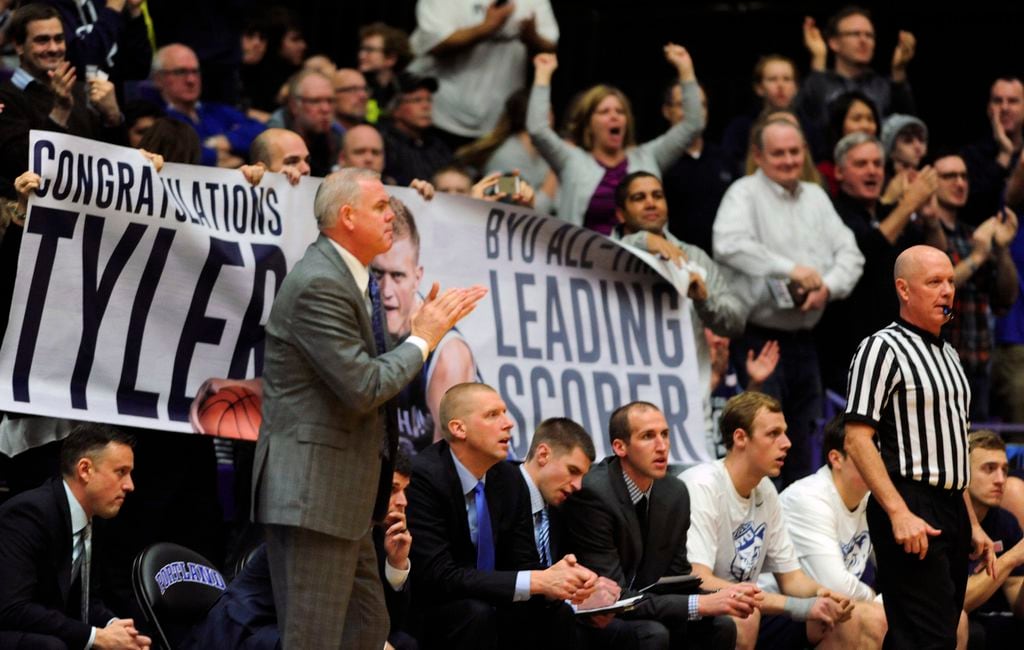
pixel 680 59
pixel 815 44
pixel 544 66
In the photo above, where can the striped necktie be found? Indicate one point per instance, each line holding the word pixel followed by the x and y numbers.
pixel 542 527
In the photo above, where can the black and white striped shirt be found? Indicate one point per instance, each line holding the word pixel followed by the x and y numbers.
pixel 908 384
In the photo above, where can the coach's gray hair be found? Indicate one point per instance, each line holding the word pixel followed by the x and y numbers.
pixel 338 189
pixel 851 140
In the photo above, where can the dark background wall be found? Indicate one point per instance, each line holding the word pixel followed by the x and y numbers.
pixel 961 48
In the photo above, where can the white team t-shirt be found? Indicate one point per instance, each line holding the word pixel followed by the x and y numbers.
pixel 831 542
pixel 737 537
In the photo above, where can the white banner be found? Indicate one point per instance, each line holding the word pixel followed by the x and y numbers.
pixel 134 288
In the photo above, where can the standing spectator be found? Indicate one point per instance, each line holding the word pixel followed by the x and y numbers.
pixel 808 173
pixel 779 232
pixel 225 132
pixel 108 34
pixel 922 526
pixel 990 160
pixel 851 112
pixel 479 53
pixel 986 277
pixel 775 83
pixel 412 146
pixel 310 113
pixel 1008 356
pixel 605 149
pixel 383 53
pixel 882 233
pixel 509 147
pixel 904 142
pixel 851 38
pixel 695 184
pixel 351 95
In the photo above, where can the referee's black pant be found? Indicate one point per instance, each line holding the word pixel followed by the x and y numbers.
pixel 923 598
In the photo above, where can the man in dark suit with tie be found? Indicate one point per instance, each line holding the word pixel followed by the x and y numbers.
pixel 322 470
pixel 629 523
pixel 474 557
pixel 48 589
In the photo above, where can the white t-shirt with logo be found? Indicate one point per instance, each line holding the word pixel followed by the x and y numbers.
pixel 737 537
pixel 831 542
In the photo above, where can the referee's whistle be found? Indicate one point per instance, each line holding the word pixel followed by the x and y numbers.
pixel 947 311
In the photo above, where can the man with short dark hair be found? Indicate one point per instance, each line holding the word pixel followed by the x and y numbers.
pixel 642 211
pixel 44 92
pixel 383 53
pixel 991 159
pixel 629 523
pixel 850 37
pixel 737 531
pixel 49 592
pixel 475 552
pixel 792 255
pixel 413 148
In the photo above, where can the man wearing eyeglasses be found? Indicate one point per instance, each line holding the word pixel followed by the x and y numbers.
pixel 310 113
pixel 984 273
pixel 225 132
pixel 851 39
pixel 412 145
pixel 351 95
pixel 44 92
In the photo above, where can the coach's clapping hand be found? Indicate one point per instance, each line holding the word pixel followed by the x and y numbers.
pixel 439 313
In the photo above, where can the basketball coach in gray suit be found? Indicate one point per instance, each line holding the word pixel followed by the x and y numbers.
pixel 329 371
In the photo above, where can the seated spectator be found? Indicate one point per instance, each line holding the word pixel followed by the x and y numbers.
pixel 480 54
pixel 139 115
pixel 737 531
pixel 475 556
pixel 642 211
pixel 392 542
pixel 851 112
pixel 383 53
pixel 605 149
pixel 111 36
pixel 351 95
pixel 413 148
pixel 825 517
pixel 882 233
pixel 991 159
pixel 453 179
pixel 43 93
pixel 776 84
pixel 508 147
pixel 985 275
pixel 49 587
pixel 310 113
pixel 988 596
pixel 850 37
pixel 225 132
pixel 630 521
pixel 176 141
pixel 695 184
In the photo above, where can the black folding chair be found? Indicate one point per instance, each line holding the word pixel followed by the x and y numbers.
pixel 175 588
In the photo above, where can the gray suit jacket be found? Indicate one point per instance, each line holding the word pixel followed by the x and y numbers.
pixel 318 456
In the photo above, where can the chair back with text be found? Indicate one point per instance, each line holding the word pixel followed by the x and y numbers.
pixel 175 588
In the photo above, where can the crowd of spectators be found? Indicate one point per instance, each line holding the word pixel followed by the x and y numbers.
pixel 788 227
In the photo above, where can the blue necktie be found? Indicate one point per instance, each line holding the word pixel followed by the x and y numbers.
pixel 484 535
pixel 544 537
pixel 377 316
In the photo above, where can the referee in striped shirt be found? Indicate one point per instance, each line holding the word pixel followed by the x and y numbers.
pixel 907 386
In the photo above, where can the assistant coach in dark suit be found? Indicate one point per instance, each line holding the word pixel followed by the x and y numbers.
pixel 470 588
pixel 324 443
pixel 45 542
pixel 629 523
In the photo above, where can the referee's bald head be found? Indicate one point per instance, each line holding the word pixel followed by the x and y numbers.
pixel 915 259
